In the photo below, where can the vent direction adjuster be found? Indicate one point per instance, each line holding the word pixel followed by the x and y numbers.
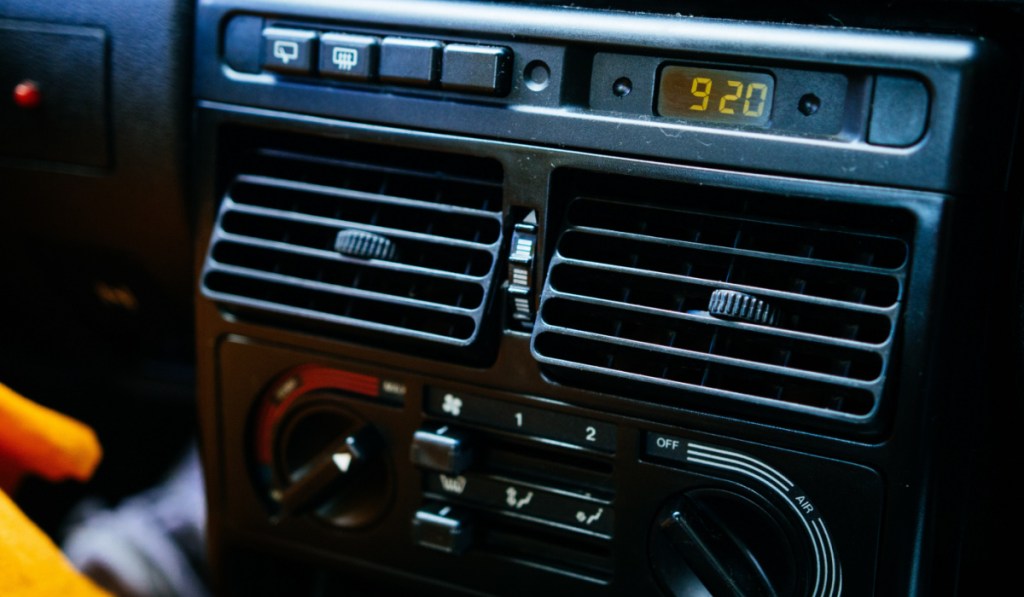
pixel 520 270
pixel 364 245
pixel 737 306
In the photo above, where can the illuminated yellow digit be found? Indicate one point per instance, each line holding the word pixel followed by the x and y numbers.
pixel 703 93
pixel 762 92
pixel 738 87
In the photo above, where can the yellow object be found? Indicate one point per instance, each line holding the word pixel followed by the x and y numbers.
pixel 31 565
pixel 38 440
pixel 35 439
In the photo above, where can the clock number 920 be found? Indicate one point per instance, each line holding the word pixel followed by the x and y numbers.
pixel 749 99
pixel 702 94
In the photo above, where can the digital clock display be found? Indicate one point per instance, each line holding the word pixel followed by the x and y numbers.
pixel 712 95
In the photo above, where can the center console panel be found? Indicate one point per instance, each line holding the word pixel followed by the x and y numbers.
pixel 500 299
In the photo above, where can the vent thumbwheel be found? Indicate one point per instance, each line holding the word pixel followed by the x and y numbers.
pixel 738 306
pixel 364 245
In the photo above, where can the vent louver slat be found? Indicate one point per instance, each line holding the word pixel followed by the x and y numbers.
pixel 274 248
pixel 625 308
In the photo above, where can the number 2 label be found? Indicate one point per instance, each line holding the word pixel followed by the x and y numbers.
pixel 730 97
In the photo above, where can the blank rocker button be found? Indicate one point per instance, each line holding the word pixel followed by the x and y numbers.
pixel 476 69
pixel 409 61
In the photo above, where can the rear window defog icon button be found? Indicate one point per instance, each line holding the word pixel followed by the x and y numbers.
pixel 352 57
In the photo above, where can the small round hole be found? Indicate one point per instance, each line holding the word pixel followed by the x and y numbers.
pixel 621 87
pixel 537 75
pixel 809 104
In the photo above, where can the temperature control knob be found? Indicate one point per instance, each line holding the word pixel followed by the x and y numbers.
pixel 328 462
pixel 328 475
pixel 714 542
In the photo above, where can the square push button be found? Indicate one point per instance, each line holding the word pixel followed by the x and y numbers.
pixel 438 527
pixel 409 61
pixel 476 69
pixel 288 50
pixel 351 57
pixel 899 111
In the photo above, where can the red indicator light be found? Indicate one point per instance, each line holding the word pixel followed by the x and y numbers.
pixel 27 95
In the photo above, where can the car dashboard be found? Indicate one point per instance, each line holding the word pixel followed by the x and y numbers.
pixel 497 298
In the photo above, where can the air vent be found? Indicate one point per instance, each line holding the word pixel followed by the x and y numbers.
pixel 380 241
pixel 625 306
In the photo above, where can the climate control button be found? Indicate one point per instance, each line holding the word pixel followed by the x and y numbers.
pixel 351 57
pixel 440 450
pixel 439 527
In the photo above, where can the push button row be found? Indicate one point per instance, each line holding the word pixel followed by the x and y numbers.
pixel 575 511
pixel 398 60
pixel 532 422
